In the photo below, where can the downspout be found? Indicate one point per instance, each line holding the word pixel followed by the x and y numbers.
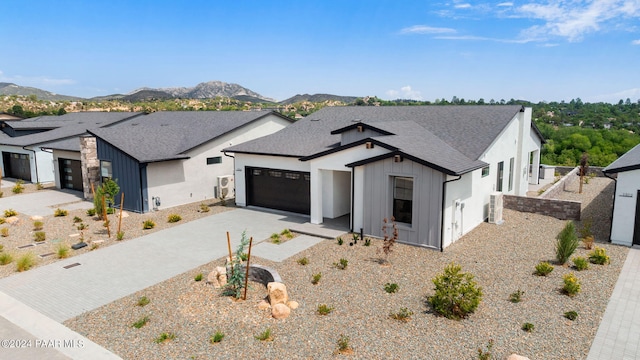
pixel 615 187
pixel 353 184
pixel 444 187
pixel 35 161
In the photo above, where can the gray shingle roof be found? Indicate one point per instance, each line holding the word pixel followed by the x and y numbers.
pixel 629 161
pixel 167 135
pixel 451 137
pixel 63 127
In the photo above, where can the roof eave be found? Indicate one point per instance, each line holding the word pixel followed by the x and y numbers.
pixel 348 146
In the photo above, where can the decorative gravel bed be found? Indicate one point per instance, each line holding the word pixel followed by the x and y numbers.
pixel 502 258
pixel 63 230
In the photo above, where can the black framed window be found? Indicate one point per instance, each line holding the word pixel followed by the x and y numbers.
pixel 485 171
pixel 511 161
pixel 403 199
pixel 500 176
pixel 214 160
pixel 106 170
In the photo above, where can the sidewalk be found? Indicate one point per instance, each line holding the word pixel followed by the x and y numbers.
pixel 618 335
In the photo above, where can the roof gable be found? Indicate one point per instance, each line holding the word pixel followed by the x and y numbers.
pixel 627 162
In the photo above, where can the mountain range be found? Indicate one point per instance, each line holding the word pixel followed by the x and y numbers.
pixel 205 90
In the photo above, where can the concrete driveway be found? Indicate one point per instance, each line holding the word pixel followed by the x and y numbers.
pixel 44 202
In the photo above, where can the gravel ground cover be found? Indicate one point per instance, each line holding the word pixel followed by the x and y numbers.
pixel 502 258
pixel 63 230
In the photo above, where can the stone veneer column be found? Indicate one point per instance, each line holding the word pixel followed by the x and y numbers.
pixel 90 165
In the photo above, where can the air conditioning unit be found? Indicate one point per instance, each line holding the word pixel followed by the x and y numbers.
pixel 225 186
pixel 495 208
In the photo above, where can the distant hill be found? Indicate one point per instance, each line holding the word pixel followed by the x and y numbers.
pixel 13 89
pixel 208 90
pixel 318 98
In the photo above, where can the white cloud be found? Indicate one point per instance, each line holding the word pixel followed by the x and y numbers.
pixel 406 92
pixel 573 19
pixel 636 42
pixel 424 29
pixel 506 4
pixel 462 6
pixel 35 81
pixel 613 98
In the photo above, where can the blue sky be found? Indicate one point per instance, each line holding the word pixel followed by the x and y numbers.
pixel 533 50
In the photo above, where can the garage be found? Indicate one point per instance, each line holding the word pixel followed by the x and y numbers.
pixel 70 174
pixel 279 189
pixel 16 166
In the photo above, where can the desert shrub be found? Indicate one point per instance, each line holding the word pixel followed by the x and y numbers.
pixel 235 280
pixel 367 242
pixel 39 186
pixel 82 226
pixel 38 225
pixel 25 262
pixel 571 315
pixel 148 224
pixel 217 337
pixel 91 212
pixel 165 336
pixel 456 293
pixel 2 220
pixel 516 296
pixel 303 261
pixel 204 208
pixel 580 263
pixel 403 315
pixel 173 218
pixel 265 335
pixel 340 241
pixel 275 238
pixel 324 309
pixel 599 256
pixel 5 258
pixel 571 284
pixel 485 354
pixel 120 235
pixel 4 232
pixel 543 268
pixel 60 212
pixel 143 301
pixel 343 344
pixel 287 233
pixel 77 219
pixel 391 288
pixel 62 251
pixel 315 278
pixel 528 327
pixel 94 246
pixel 342 264
pixel 389 240
pixel 10 213
pixel 141 322
pixel 198 277
pixel 39 236
pixel 567 242
pixel 18 188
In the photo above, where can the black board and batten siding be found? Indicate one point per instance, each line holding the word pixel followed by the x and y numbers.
pixel 130 175
pixel 427 201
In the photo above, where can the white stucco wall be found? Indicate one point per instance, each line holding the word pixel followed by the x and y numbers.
pixel 624 212
pixel 57 154
pixel 180 182
pixel 40 163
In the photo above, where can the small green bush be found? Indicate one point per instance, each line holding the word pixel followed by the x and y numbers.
pixel 403 315
pixel 287 233
pixel 324 309
pixel 528 327
pixel 18 188
pixel 62 251
pixel 599 256
pixel 198 277
pixel 275 238
pixel 367 242
pixel 485 354
pixel 77 219
pixel 342 264
pixel 340 241
pixel 391 288
pixel 141 322
pixel 516 297
pixel 2 220
pixel 91 212
pixel 456 293
pixel 217 337
pixel 571 284
pixel 4 232
pixel 25 262
pixel 343 344
pixel 120 235
pixel 82 226
pixel 143 301
pixel 60 212
pixel 265 335
pixel 315 278
pixel 5 258
pixel 38 225
pixel 567 242
pixel 148 224
pixel 543 268
pixel 571 315
pixel 39 186
pixel 10 213
pixel 173 218
pixel 580 263
pixel 204 208
pixel 164 337
pixel 39 236
pixel 303 261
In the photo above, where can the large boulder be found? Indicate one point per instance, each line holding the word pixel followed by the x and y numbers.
pixel 218 277
pixel 277 293
pixel 280 311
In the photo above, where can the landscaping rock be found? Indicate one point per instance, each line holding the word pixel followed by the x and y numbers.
pixel 293 305
pixel 280 311
pixel 263 305
pixel 277 293
pixel 124 214
pixel 217 277
pixel 12 220
pixel 37 218
pixel 517 357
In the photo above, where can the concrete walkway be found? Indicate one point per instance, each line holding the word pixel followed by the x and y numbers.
pixel 45 202
pixel 618 335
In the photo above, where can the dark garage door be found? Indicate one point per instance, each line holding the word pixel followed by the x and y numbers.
pixel 16 166
pixel 70 174
pixel 279 189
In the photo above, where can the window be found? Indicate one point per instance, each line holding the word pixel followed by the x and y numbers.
pixel 485 171
pixel 214 160
pixel 105 169
pixel 511 174
pixel 500 174
pixel 403 199
pixel 292 176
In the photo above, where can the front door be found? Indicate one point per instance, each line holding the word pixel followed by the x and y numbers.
pixel 636 228
pixel 70 174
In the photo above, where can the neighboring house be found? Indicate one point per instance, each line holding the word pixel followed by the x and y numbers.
pixel 166 159
pixel 6 116
pixel 625 225
pixel 433 168
pixel 26 148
